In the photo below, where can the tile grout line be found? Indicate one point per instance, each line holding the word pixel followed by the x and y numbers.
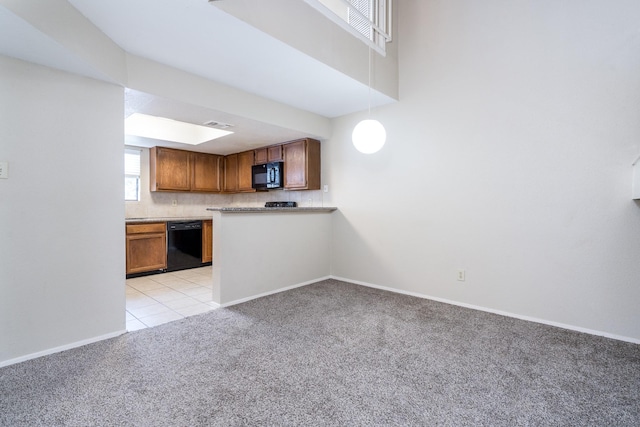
pixel 139 319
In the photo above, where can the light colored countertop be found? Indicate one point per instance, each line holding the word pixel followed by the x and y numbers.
pixel 230 210
pixel 258 209
pixel 165 219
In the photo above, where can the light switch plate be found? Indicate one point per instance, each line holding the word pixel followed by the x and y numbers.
pixel 4 170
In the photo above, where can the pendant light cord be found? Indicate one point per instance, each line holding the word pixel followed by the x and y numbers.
pixel 369 82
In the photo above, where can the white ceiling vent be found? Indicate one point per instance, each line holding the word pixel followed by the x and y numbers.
pixel 217 125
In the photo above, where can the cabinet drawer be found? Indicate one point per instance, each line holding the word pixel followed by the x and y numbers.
pixel 152 227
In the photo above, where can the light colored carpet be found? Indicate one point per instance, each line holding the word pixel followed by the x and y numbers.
pixel 332 354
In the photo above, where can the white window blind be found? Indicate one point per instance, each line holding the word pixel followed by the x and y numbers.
pixel 369 20
pixel 357 21
pixel 131 174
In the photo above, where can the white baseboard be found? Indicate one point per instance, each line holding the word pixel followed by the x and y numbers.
pixel 115 334
pixel 490 310
pixel 59 349
pixel 239 301
pixel 342 279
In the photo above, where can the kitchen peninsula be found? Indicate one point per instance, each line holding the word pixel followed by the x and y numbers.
pixel 258 251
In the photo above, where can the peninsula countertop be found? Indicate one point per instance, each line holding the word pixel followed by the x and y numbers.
pixel 230 210
pixel 262 209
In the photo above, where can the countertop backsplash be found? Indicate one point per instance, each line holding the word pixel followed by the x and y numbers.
pixel 161 205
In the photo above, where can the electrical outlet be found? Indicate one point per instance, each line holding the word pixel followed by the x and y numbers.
pixel 174 203
pixel 4 170
pixel 326 188
pixel 462 275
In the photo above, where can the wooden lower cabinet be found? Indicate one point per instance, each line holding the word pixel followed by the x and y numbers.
pixel 207 241
pixel 146 247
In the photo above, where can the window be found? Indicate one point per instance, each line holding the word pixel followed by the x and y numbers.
pixel 369 20
pixel 359 20
pixel 132 175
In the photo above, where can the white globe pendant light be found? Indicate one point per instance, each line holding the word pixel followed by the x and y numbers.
pixel 368 136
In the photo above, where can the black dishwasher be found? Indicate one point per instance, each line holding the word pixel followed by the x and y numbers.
pixel 184 245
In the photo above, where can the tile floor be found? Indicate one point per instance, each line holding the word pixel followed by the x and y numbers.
pixel 161 298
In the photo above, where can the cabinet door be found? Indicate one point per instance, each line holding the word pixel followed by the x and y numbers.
pixel 295 164
pixel 268 154
pixel 302 165
pixel 170 169
pixel 146 252
pixel 245 161
pixel 231 173
pixel 207 241
pixel 261 156
pixel 313 164
pixel 206 172
pixel 274 153
pixel 146 247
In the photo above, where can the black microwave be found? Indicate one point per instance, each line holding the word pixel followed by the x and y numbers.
pixel 267 176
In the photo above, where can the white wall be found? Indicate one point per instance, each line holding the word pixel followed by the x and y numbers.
pixel 508 155
pixel 262 253
pixel 636 180
pixel 61 210
pixel 299 25
pixel 68 40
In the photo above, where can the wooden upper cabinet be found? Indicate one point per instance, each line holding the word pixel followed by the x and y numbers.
pixel 261 156
pixel 245 162
pixel 170 169
pixel 295 165
pixel 180 170
pixel 230 173
pixel 268 154
pixel 274 153
pixel 206 173
pixel 302 165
